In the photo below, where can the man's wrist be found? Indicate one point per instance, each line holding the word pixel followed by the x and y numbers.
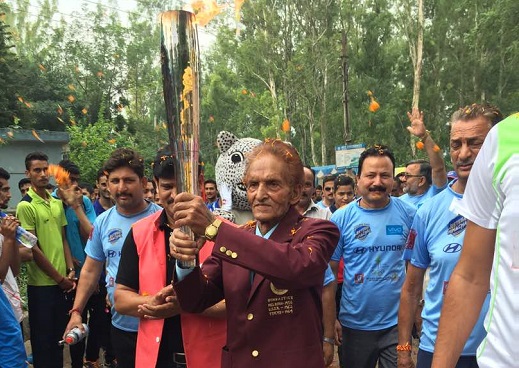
pixel 329 340
pixel 75 310
pixel 425 136
pixel 405 347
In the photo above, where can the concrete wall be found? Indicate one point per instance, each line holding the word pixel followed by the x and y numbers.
pixel 18 143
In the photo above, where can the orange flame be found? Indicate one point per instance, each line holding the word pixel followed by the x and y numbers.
pixel 206 10
pixel 61 175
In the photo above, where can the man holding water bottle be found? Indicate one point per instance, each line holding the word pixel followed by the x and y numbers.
pixel 50 274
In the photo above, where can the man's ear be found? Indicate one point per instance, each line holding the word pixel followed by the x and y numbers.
pixel 295 194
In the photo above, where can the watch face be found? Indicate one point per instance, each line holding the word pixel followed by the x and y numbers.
pixel 211 231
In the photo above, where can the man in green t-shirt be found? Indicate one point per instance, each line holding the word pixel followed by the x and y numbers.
pixel 51 273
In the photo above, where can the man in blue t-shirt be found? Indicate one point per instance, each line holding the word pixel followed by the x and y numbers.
pixel 80 216
pixel 104 201
pixel 126 182
pixel 373 230
pixel 423 179
pixel 12 349
pixel 435 242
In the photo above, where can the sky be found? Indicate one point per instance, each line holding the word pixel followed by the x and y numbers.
pixel 73 8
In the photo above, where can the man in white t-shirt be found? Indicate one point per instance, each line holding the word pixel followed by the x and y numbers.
pixel 490 256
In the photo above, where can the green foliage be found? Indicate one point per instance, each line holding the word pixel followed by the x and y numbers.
pixel 103 76
pixel 91 144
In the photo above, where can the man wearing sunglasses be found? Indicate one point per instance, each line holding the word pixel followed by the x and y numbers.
pixel 328 198
pixel 423 179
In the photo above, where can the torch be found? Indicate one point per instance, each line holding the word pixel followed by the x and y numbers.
pixel 180 75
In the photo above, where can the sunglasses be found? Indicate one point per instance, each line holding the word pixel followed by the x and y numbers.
pixel 328 189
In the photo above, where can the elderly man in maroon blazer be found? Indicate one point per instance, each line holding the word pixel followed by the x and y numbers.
pixel 270 271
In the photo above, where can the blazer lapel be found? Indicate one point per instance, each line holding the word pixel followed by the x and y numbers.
pixel 284 233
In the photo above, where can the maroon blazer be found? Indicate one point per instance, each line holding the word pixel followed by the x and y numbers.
pixel 272 290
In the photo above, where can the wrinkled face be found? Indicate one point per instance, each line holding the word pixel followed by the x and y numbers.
pixel 465 142
pixel 269 191
pixel 308 189
pixel 166 192
pixel 210 192
pixel 126 188
pixel 375 181
pixel 37 174
pixel 343 195
pixel 412 180
pixel 102 185
pixel 328 190
pixel 5 193
pixel 149 192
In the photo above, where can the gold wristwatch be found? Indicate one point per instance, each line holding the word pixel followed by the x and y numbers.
pixel 212 230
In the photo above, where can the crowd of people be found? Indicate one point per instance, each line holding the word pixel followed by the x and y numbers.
pixel 358 266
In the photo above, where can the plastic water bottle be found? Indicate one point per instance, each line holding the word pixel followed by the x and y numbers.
pixel 23 236
pixel 75 335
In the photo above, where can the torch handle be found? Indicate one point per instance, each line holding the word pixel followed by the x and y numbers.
pixel 188 264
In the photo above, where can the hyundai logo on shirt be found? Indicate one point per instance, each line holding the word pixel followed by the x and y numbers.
pixel 452 248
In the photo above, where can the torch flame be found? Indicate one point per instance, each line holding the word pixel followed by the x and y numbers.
pixel 61 175
pixel 206 10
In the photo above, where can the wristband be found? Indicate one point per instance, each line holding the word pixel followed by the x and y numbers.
pixel 406 347
pixel 74 310
pixel 424 137
pixel 329 340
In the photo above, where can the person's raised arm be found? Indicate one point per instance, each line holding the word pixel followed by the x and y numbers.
pixel 84 211
pixel 434 153
pixel 9 258
pixel 467 290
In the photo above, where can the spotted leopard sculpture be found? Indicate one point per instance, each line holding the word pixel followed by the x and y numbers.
pixel 229 170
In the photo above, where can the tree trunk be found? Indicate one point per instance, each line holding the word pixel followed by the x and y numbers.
pixel 418 56
pixel 323 115
pixel 345 94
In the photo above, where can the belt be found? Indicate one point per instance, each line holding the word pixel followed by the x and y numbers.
pixel 179 358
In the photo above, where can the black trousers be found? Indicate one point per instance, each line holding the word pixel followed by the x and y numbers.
pixel 48 317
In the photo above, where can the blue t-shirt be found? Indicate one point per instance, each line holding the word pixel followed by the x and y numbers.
pixel 211 206
pixel 418 200
pixel 435 241
pixel 371 243
pixel 98 208
pixel 328 276
pixel 322 205
pixel 72 232
pixel 105 243
pixel 12 349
